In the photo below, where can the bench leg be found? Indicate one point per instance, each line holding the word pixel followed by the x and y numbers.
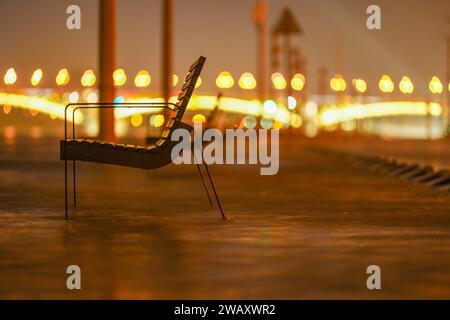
pixel 74 187
pixel 214 189
pixel 204 185
pixel 65 186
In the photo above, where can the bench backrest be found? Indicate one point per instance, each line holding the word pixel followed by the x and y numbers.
pixel 176 115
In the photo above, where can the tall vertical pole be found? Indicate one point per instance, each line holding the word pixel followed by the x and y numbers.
pixel 300 67
pixel 322 85
pixel 107 53
pixel 339 64
pixel 260 13
pixel 447 85
pixel 275 58
pixel 288 62
pixel 167 48
pixel 322 81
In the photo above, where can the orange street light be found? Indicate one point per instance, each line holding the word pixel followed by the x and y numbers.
pixel 119 77
pixel 406 86
pixel 435 86
pixel 278 80
pixel 386 84
pixel 88 78
pixel 247 81
pixel 225 80
pixel 298 82
pixel 142 79
pixel 36 77
pixel 360 85
pixel 338 84
pixel 10 76
pixel 63 77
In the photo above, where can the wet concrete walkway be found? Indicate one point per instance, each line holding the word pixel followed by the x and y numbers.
pixel 435 153
pixel 308 232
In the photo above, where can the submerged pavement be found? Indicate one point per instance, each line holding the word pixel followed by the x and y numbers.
pixel 309 232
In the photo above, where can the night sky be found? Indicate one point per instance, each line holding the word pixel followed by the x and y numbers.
pixel 411 42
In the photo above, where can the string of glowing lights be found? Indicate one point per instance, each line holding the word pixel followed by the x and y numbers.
pixel 225 80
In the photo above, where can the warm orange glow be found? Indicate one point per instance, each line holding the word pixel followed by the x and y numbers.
pixel 136 120
pixel 10 132
pixel 92 97
pixel 338 84
pixel 119 77
pixel 278 80
pixel 175 79
pixel 6 108
pixel 142 79
pixel 36 77
pixel 88 79
pixel 247 81
pixel 10 77
pixel 298 82
pixel 296 120
pixel 360 85
pixel 386 84
pixel 199 118
pixel 157 120
pixel 435 109
pixel 225 80
pixel 63 77
pixel 435 86
pixel 406 86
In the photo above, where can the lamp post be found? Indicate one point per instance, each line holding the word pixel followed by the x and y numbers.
pixel 259 16
pixel 448 80
pixel 448 75
pixel 167 48
pixel 107 53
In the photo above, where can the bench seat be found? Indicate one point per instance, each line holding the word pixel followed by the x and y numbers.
pixel 149 157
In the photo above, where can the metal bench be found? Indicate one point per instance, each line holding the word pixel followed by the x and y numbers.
pixel 152 156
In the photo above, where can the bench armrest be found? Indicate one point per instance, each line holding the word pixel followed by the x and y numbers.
pixel 111 105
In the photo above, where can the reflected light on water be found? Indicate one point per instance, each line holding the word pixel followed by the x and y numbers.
pixel 9 132
pixel 6 109
pixel 36 132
